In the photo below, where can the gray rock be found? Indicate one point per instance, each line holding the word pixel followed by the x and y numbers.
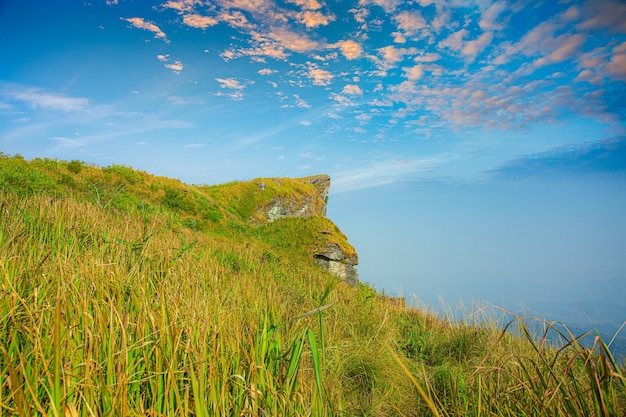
pixel 308 205
pixel 335 261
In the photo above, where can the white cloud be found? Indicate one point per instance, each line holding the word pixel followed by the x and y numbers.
pixel 301 103
pixel 379 174
pixel 50 101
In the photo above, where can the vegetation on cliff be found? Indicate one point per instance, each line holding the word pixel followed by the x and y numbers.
pixel 123 294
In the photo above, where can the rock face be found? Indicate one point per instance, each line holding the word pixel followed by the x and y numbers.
pixel 299 205
pixel 310 201
pixel 335 261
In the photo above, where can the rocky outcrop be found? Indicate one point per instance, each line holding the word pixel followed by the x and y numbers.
pixel 335 261
pixel 301 204
pixel 307 197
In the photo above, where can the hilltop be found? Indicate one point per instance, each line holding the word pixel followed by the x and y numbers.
pixel 125 293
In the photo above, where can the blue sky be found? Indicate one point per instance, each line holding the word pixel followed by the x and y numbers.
pixel 439 121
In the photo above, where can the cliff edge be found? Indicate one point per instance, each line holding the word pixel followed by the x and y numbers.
pixel 306 198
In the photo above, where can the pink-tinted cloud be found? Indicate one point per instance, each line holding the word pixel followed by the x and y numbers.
pixel 314 19
pixel 182 5
pixel 352 89
pixel 177 66
pixel 140 23
pixel 562 48
pixel 455 40
pixel 604 14
pixel 411 22
pixel 473 48
pixel 414 73
pixel 489 19
pixel 198 21
pixel 616 68
pixel 230 83
pixel 320 76
pixel 307 4
pixel 293 41
pixel 350 49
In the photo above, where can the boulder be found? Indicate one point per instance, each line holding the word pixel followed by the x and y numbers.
pixel 335 261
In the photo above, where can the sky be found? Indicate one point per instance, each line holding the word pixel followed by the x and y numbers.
pixel 476 148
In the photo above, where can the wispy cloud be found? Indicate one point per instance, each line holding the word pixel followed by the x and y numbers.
pixel 140 23
pixel 230 83
pixel 39 99
pixel 596 157
pixel 379 174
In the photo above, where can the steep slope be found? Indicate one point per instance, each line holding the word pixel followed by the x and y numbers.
pixel 126 294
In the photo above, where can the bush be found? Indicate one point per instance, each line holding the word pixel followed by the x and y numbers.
pixel 126 173
pixel 74 166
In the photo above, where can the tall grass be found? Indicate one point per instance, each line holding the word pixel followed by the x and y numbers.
pixel 121 316
pixel 107 312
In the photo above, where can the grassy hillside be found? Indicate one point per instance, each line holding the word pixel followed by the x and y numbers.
pixel 126 294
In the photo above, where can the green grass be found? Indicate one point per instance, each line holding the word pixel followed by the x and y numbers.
pixel 113 304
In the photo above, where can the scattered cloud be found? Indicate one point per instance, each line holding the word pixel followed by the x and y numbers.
pixel 320 77
pixel 177 66
pixel 604 14
pixel 266 71
pixel 140 23
pixel 414 73
pixel 473 48
pixel 230 83
pixel 301 103
pixel 314 19
pixel 489 19
pixel 293 41
pixel 411 23
pixel 199 21
pixel 349 48
pixel 352 90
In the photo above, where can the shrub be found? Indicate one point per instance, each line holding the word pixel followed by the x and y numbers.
pixel 74 166
pixel 126 173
